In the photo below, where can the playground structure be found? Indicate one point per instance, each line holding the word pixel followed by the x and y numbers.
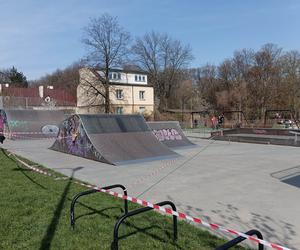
pixel 112 139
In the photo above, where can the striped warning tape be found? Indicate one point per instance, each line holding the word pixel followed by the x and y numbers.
pixel 32 133
pixel 20 136
pixel 190 218
pixel 169 211
pixel 31 167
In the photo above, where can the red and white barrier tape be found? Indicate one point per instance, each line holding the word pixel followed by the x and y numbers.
pixel 20 136
pixel 190 218
pixel 169 211
pixel 32 133
pixel 32 168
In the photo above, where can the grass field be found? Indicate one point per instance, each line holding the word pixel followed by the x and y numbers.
pixel 35 215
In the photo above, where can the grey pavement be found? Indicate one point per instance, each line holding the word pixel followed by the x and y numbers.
pixel 238 185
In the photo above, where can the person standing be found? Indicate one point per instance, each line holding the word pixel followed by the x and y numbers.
pixel 2 137
pixel 214 122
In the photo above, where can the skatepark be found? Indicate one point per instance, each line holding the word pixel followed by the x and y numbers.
pixel 237 185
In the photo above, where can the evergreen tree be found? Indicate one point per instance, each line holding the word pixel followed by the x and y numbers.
pixel 17 79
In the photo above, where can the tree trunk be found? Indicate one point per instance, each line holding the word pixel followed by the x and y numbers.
pixel 162 103
pixel 107 99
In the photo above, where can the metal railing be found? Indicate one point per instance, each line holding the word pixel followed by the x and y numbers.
pixel 76 197
pixel 239 239
pixel 127 214
pixel 115 243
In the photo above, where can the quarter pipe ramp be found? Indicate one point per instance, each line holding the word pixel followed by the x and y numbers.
pixel 28 124
pixel 170 134
pixel 113 139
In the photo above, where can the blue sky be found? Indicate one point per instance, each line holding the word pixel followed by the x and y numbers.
pixel 40 36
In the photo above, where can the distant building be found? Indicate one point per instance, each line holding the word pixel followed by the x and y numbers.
pixel 129 91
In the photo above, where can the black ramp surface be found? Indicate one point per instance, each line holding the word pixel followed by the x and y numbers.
pixel 114 139
pixel 294 181
pixel 99 124
pixel 24 124
pixel 170 134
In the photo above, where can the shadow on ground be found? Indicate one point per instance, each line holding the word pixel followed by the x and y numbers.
pixel 275 231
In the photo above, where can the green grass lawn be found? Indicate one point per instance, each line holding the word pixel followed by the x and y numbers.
pixel 34 214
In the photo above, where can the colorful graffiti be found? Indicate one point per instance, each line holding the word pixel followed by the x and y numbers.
pixel 50 130
pixel 3 121
pixel 3 124
pixel 17 123
pixel 259 131
pixel 73 139
pixel 2 117
pixel 168 134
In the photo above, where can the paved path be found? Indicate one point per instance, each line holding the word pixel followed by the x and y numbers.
pixel 237 185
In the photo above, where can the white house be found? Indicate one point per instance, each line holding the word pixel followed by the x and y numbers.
pixel 129 91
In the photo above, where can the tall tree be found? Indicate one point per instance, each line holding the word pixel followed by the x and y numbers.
pixel 264 77
pixel 164 59
pixel 290 85
pixel 107 43
pixel 16 78
pixel 206 80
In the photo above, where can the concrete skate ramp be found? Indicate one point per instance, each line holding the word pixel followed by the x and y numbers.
pixel 170 134
pixel 113 139
pixel 27 124
pixel 284 137
pixel 257 131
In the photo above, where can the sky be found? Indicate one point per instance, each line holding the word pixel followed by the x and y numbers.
pixel 39 37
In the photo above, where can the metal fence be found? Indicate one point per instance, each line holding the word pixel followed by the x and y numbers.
pixel 14 102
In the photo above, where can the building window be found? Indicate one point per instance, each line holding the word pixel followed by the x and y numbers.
pixel 142 110
pixel 142 95
pixel 119 94
pixel 114 76
pixel 139 78
pixel 119 110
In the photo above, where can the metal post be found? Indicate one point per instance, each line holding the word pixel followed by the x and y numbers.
pixel 76 197
pixel 239 239
pixel 115 245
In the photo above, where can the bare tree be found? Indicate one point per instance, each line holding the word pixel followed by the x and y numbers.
pixel 264 78
pixel 207 83
pixel 164 59
pixel 290 87
pixel 67 78
pixel 107 43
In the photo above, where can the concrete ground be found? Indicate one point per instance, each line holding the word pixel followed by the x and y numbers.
pixel 238 185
